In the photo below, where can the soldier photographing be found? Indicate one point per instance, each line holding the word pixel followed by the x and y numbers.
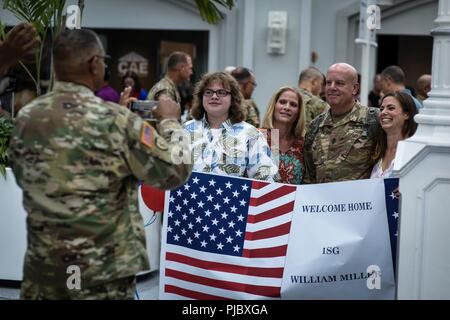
pixel 78 159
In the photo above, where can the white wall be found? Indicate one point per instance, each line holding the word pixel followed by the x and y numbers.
pixel 274 71
pixel 417 21
pixel 323 28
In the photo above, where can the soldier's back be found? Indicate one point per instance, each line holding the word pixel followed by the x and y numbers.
pixel 76 158
pixel 314 106
pixel 164 86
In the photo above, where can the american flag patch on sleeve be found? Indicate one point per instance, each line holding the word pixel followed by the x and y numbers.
pixel 147 135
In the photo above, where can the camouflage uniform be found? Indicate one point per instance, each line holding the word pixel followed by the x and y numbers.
pixel 313 106
pixel 252 113
pixel 341 150
pixel 167 87
pixel 421 98
pixel 121 289
pixel 77 160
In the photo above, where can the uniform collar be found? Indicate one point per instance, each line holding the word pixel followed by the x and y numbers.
pixel 169 80
pixel 306 94
pixel 72 87
pixel 352 116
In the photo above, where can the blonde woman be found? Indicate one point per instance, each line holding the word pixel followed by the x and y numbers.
pixel 284 124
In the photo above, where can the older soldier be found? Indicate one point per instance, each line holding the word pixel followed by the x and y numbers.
pixel 340 142
pixel 423 87
pixel 310 84
pixel 179 69
pixel 78 160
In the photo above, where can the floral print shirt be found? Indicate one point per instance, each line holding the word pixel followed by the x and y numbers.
pixel 291 164
pixel 237 149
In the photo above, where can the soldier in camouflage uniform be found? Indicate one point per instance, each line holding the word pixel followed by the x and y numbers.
pixel 247 84
pixel 78 160
pixel 179 69
pixel 252 116
pixel 339 143
pixel 310 84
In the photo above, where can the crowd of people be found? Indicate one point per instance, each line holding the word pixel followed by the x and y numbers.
pixel 310 139
pixel 78 157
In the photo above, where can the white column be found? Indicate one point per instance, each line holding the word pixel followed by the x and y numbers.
pixel 248 41
pixel 367 38
pixel 213 50
pixel 423 164
pixel 305 35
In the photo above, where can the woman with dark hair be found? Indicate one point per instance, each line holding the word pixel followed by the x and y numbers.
pixel 397 113
pixel 131 79
pixel 284 125
pixel 221 142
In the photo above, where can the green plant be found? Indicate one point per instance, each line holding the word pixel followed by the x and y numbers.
pixel 6 127
pixel 209 10
pixel 45 15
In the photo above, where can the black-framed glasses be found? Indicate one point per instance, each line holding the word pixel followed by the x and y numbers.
pixel 221 93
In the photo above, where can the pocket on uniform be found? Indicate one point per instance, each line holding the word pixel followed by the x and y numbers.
pixel 355 146
pixel 319 150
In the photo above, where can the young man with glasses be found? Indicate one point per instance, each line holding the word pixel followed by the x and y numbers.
pixel 221 142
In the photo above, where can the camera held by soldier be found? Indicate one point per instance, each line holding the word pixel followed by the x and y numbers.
pixel 144 108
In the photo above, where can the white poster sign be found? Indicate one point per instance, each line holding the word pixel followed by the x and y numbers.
pixel 339 243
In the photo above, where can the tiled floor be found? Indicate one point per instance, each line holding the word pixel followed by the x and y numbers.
pixel 147 288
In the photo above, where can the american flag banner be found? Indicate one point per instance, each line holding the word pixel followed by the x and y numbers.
pixel 225 238
pixel 392 210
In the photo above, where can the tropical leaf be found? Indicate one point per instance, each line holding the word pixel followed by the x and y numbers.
pixel 45 15
pixel 209 10
pixel 6 127
pixel 38 12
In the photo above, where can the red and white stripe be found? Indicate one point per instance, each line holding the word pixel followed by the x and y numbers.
pixel 192 274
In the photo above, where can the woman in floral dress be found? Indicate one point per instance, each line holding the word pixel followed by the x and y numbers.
pixel 284 126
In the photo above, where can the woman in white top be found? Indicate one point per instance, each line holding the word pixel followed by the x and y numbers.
pixel 397 113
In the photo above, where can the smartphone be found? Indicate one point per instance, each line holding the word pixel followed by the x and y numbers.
pixel 144 108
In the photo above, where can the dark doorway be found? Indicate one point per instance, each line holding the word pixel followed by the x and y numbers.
pixel 144 50
pixel 411 53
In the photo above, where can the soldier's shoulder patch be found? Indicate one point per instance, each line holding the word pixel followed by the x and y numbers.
pixel 147 135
